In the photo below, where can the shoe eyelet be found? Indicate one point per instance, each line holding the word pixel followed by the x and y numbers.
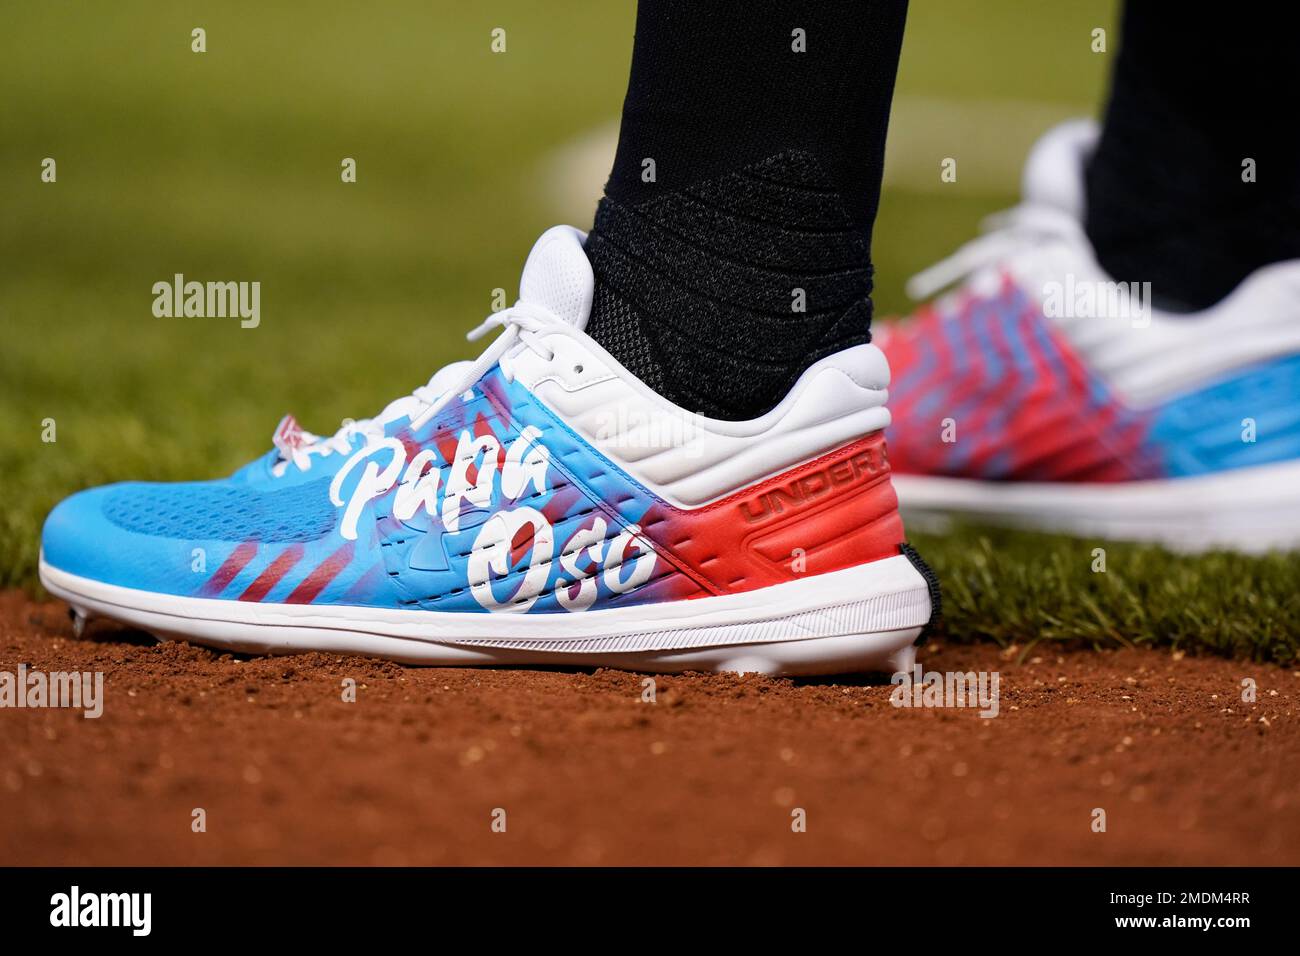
pixel 577 369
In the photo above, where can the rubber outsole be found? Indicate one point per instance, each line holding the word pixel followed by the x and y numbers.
pixel 861 619
pixel 1252 510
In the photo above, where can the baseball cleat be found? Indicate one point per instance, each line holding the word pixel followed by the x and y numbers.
pixel 1043 394
pixel 537 506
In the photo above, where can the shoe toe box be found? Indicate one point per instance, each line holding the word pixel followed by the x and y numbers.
pixel 170 537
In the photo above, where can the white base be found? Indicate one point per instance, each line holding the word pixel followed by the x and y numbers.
pixel 1249 509
pixel 865 618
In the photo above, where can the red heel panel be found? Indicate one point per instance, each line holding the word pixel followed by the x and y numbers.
pixel 831 513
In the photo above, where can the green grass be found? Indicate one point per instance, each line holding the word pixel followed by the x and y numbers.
pixel 225 165
pixel 1024 590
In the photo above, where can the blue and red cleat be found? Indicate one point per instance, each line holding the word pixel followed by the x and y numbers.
pixel 538 505
pixel 1045 394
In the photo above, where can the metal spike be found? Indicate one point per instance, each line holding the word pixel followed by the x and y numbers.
pixel 78 618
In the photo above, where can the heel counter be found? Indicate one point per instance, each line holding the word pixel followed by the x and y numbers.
pixel 834 512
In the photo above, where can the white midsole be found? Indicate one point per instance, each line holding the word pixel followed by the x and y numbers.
pixel 886 597
pixel 1250 509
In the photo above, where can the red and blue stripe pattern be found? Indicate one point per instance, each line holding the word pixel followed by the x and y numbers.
pixel 988 389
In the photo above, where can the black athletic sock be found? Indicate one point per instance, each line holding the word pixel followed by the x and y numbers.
pixel 732 248
pixel 1191 100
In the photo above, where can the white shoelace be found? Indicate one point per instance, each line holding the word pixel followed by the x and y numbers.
pixel 1009 236
pixel 522 323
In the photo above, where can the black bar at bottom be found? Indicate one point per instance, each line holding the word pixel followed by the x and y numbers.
pixel 334 905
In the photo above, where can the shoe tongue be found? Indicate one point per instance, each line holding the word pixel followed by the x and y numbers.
pixel 1053 173
pixel 558 275
pixel 447 376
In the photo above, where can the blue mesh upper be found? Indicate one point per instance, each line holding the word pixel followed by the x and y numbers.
pixel 223 512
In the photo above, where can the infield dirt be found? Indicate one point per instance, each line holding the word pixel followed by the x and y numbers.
pixel 418 768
